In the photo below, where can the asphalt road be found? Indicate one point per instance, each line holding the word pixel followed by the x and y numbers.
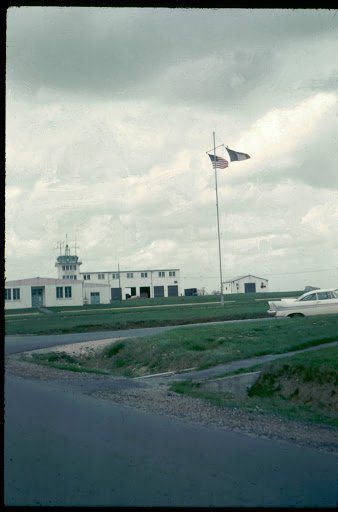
pixel 64 447
pixel 17 344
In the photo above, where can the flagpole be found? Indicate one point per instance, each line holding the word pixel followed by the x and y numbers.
pixel 219 240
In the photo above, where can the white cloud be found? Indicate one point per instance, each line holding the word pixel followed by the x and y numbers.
pixel 107 133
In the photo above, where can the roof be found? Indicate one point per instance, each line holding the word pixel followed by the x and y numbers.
pixel 320 290
pixel 125 271
pixel 236 278
pixel 42 281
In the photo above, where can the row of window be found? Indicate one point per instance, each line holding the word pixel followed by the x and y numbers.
pixel 64 292
pixel 68 277
pixel 12 292
pixel 130 275
pixel 68 267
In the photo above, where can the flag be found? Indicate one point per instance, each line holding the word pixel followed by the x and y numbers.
pixel 218 161
pixel 235 155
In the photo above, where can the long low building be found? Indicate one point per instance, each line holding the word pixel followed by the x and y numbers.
pixel 75 288
pixel 38 292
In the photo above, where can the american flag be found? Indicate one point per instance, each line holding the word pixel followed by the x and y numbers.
pixel 218 161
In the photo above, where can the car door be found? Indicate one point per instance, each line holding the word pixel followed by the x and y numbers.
pixel 307 305
pixel 327 302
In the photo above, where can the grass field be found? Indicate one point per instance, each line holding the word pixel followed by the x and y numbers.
pixel 139 313
pixel 201 346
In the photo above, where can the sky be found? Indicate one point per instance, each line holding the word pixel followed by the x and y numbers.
pixel 110 115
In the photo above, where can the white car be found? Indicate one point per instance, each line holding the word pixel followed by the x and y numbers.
pixel 315 302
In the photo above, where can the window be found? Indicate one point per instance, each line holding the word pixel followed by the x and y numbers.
pixel 63 267
pixel 144 274
pixel 16 293
pixel 320 295
pixel 68 292
pixel 312 296
pixel 8 294
pixel 100 276
pixel 115 275
pixel 59 292
pixel 161 274
pixel 86 277
pixel 130 275
pixel 172 273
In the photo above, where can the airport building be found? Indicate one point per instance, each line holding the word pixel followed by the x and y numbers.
pixel 74 288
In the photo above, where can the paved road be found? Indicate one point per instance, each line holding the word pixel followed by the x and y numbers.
pixel 64 447
pixel 17 344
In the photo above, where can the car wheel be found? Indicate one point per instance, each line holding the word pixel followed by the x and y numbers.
pixel 296 315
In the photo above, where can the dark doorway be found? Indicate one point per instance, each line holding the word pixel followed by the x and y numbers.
pixel 172 291
pixel 145 292
pixel 158 291
pixel 250 287
pixel 116 294
pixel 37 297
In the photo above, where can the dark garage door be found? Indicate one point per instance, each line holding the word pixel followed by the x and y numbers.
pixel 116 294
pixel 250 287
pixel 172 291
pixel 158 291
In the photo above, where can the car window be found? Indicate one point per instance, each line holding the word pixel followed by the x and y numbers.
pixel 312 296
pixel 324 295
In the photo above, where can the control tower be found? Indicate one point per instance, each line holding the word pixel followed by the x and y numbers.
pixel 68 265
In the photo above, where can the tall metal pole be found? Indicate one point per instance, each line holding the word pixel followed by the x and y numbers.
pixel 219 239
pixel 118 269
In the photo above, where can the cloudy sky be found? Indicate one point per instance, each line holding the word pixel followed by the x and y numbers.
pixel 110 114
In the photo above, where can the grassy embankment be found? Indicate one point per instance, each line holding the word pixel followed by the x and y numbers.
pixel 302 387
pixel 129 314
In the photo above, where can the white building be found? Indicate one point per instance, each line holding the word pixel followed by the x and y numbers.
pixel 75 288
pixel 42 292
pixel 246 284
pixel 104 286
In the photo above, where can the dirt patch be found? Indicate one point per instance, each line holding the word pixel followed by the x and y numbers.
pixel 318 396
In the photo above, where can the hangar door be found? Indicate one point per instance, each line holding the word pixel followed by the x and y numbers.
pixel 158 291
pixel 116 294
pixel 172 291
pixel 250 287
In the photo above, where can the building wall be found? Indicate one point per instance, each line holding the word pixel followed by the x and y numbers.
pixel 137 282
pixel 76 299
pixel 25 300
pixel 238 285
pixel 101 291
pixel 49 293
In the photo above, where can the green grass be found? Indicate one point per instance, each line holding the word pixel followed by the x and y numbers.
pixel 310 395
pixel 209 345
pixel 105 317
